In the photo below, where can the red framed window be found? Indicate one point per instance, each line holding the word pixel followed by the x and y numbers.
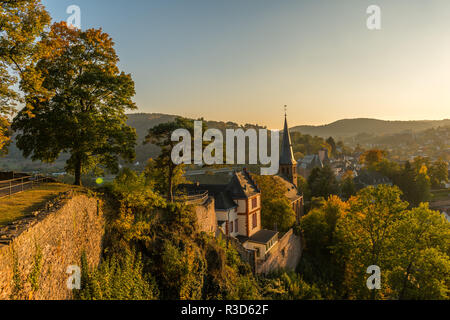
pixel 255 220
pixel 254 203
pixel 236 225
pixel 231 227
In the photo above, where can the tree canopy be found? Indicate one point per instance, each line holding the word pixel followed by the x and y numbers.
pixel 375 227
pixel 276 210
pixel 76 99
pixel 22 22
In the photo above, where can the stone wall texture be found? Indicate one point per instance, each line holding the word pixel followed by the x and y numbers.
pixel 206 216
pixel 34 262
pixel 285 254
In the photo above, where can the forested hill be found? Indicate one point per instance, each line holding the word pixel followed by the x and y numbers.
pixel 144 121
pixel 352 127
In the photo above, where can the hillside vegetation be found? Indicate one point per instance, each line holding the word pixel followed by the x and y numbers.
pixel 352 127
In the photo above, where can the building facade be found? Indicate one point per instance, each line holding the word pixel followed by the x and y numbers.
pixel 238 211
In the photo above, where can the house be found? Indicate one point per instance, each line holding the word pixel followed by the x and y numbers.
pixel 323 156
pixel 238 209
pixel 367 178
pixel 308 163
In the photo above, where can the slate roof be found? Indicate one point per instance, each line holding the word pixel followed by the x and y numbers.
pixel 222 197
pixel 239 186
pixel 366 178
pixel 242 186
pixel 287 155
pixel 310 161
pixel 262 237
pixel 291 191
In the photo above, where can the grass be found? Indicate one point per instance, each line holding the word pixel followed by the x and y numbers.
pixel 23 204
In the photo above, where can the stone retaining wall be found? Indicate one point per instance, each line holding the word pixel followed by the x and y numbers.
pixel 36 252
pixel 285 254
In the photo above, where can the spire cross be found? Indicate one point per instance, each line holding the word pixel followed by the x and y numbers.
pixel 285 110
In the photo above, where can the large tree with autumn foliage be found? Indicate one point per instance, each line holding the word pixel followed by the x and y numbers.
pixel 375 227
pixel 22 22
pixel 76 99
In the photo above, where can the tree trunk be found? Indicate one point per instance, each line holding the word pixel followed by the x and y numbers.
pixel 77 172
pixel 170 193
pixel 405 282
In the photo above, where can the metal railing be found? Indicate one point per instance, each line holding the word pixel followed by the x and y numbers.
pixel 18 185
pixel 192 199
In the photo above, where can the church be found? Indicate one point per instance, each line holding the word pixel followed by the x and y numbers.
pixel 237 200
pixel 288 174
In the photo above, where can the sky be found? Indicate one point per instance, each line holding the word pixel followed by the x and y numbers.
pixel 243 60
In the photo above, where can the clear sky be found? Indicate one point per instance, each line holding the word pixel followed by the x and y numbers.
pixel 242 60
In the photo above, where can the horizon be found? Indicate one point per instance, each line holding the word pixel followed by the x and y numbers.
pixel 244 61
pixel 289 122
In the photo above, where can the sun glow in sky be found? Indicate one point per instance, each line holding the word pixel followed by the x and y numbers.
pixel 243 60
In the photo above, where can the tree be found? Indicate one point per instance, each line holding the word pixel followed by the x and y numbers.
pixel 161 135
pixel 438 173
pixel 371 157
pixel 364 236
pixel 278 214
pixel 322 182
pixel 419 162
pixel 77 104
pixel 318 265
pixel 333 146
pixel 423 185
pixel 288 286
pixel 348 188
pixel 405 180
pixel 276 210
pixel 303 187
pixel 118 277
pixel 421 266
pixel 342 239
pixel 154 172
pixel 21 23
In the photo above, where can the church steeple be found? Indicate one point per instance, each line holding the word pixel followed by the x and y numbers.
pixel 288 165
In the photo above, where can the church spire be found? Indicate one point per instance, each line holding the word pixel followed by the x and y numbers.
pixel 287 155
pixel 288 165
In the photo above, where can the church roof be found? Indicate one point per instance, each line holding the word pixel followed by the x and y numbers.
pixel 291 191
pixel 287 155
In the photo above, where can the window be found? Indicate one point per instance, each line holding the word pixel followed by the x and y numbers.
pixel 255 220
pixel 231 227
pixel 236 226
pixel 254 203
